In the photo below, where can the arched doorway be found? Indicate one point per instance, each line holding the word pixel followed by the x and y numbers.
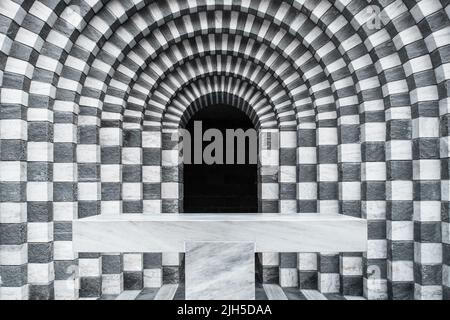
pixel 221 187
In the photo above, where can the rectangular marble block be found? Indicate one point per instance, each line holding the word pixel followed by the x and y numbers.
pixel 220 270
pixel 270 232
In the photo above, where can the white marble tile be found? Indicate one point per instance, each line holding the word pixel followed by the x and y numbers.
pixel 307 261
pixel 400 230
pixel 375 289
pixel 270 191
pixel 39 191
pixel 132 262
pixel 132 191
pixel 354 298
pixel 288 174
pixel 288 139
pixel 170 259
pixel 89 191
pixel 151 139
pixel 152 206
pixel 87 153
pixel 329 282
pixel 220 271
pixel 327 172
pixel 376 249
pixel 64 132
pixel 313 295
pixel 269 157
pixel 428 253
pixel 288 277
pixel 128 295
pixel 14 293
pixel 167 292
pixel 288 206
pixel 39 151
pixel 13 212
pixel 349 152
pixel 274 292
pixel 14 255
pixel 351 266
pixel 401 271
pixel 62 250
pixel 131 155
pixel 110 136
pixel 40 232
pixel 90 267
pixel 66 290
pixel 446 275
pixel 112 283
pixel 306 190
pixel 269 258
pixel 427 292
pixel 151 174
pixel 169 190
pixel 65 211
pixel 13 171
pixel 111 207
pixel 111 173
pixel 65 172
pixel 40 273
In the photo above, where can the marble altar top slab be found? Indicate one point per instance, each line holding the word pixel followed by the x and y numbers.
pixel 270 232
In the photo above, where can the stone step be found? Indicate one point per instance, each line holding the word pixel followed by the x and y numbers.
pixel 263 292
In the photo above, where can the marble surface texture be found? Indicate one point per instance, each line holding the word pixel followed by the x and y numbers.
pixel 269 232
pixel 220 270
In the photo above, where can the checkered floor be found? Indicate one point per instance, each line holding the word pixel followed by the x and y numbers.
pixel 263 292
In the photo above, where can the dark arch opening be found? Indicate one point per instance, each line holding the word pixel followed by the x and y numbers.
pixel 220 188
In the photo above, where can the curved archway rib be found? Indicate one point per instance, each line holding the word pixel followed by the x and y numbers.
pixel 205 87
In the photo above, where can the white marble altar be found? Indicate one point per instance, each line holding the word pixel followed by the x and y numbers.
pixel 220 248
pixel 220 270
pixel 270 232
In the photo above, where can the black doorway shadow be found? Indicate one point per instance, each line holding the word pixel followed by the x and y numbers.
pixel 220 188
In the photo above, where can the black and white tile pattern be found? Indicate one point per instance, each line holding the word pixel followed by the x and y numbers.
pixel 91 91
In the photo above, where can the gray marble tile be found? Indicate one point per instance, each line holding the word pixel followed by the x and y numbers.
pixel 180 295
pixel 293 294
pixel 220 271
pixel 260 293
pixel 147 294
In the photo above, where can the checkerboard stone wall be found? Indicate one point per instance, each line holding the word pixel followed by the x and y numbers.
pixel 350 98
